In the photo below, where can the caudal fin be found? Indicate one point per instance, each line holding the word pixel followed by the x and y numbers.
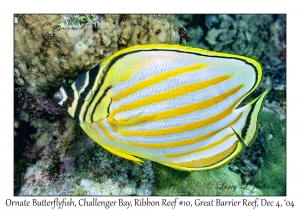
pixel 246 127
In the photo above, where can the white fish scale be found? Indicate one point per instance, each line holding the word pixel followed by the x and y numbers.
pixel 156 66
pixel 189 134
pixel 171 83
pixel 182 119
pixel 159 153
pixel 187 99
pixel 175 136
pixel 203 154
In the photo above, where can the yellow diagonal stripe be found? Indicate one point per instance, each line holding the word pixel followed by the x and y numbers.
pixel 104 130
pixel 182 142
pixel 204 162
pixel 185 127
pixel 171 94
pixel 94 129
pixel 156 79
pixel 177 111
pixel 207 147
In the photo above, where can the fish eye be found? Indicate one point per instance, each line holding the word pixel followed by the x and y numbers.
pixel 58 97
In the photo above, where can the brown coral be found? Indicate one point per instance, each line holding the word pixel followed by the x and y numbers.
pixel 45 53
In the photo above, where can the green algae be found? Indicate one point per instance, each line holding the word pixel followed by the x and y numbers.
pixel 79 191
pixel 78 21
pixel 216 182
pixel 19 171
pixel 271 178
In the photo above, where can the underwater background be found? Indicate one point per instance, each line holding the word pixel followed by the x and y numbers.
pixel 53 156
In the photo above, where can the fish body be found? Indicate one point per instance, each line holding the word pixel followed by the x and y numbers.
pixel 171 104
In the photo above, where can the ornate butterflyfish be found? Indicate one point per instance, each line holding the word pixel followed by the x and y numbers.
pixel 172 104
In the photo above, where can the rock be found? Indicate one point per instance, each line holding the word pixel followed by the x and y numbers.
pixel 51 48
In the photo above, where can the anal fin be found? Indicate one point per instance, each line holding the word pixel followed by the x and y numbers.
pixel 123 155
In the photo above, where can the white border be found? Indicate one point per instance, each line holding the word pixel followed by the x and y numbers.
pixel 8 8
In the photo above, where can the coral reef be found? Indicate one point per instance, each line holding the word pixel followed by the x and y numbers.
pixel 78 21
pixel 51 48
pixel 217 182
pixel 35 126
pixel 61 160
pixel 275 79
pixel 249 161
pixel 102 174
pixel 257 160
pixel 262 37
pixel 48 51
pixel 274 157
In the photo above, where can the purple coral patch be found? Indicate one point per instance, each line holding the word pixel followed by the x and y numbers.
pixel 67 166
